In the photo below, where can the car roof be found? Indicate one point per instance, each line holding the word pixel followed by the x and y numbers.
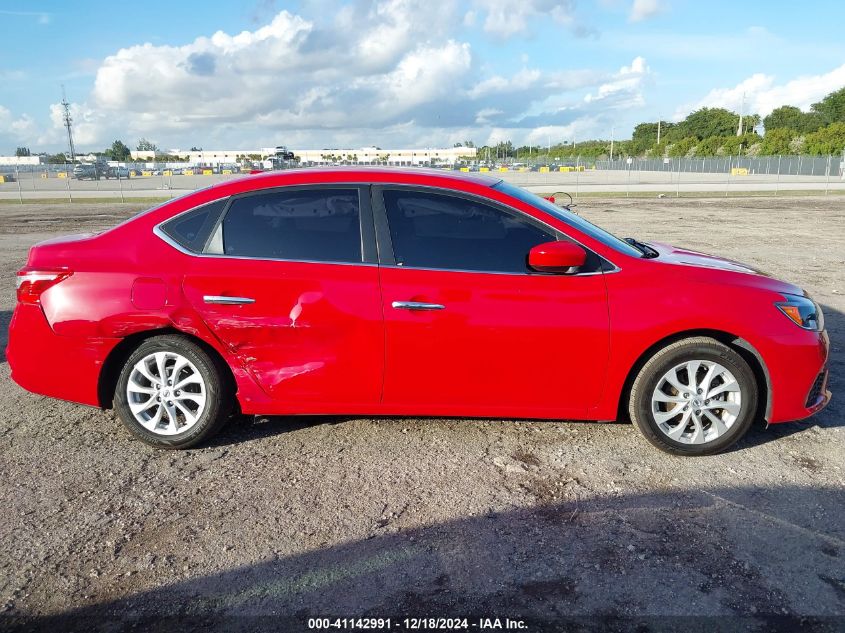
pixel 376 174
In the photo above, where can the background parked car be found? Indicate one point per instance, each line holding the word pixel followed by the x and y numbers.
pixel 117 172
pixel 87 171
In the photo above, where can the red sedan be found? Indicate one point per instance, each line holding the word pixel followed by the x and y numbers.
pixel 401 292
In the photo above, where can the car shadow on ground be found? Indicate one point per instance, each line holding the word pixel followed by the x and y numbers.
pixel 738 558
pixel 5 319
pixel 247 428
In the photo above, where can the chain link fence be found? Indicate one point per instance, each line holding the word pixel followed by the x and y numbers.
pixel 631 176
pixel 762 165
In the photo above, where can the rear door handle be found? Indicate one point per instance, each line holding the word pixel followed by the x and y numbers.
pixel 416 305
pixel 227 301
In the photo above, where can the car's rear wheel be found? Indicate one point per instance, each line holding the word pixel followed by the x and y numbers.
pixel 172 394
pixel 694 397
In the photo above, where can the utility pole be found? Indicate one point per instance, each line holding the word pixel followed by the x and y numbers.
pixel 612 129
pixel 741 111
pixel 68 124
pixel 658 131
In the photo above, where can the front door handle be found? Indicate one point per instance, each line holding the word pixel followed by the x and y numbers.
pixel 226 300
pixel 416 305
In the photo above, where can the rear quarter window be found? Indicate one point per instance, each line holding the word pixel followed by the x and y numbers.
pixel 191 229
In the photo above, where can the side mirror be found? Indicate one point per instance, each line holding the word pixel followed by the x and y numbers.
pixel 556 257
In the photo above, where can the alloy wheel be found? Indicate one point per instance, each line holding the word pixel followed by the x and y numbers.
pixel 166 393
pixel 696 402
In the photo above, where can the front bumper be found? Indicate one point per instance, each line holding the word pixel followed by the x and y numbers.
pixel 819 395
pixel 798 371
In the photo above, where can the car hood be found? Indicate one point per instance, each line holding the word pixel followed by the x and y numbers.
pixel 680 256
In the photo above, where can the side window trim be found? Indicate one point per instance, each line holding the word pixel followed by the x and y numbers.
pixel 369 254
pixel 382 228
pixel 385 243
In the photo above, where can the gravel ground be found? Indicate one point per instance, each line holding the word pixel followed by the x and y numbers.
pixel 580 524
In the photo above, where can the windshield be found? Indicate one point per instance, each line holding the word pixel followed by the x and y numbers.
pixel 570 218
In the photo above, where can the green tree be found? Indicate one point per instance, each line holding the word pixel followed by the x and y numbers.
pixel 146 146
pixel 57 159
pixel 22 151
pixel 832 107
pixel 683 147
pixel 827 140
pixel 645 136
pixel 777 141
pixel 730 146
pixel 792 118
pixel 709 146
pixel 750 123
pixel 740 145
pixel 119 151
pixel 709 122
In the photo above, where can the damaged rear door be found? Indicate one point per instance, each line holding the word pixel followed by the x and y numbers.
pixel 289 283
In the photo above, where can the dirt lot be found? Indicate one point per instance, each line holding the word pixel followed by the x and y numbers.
pixel 577 523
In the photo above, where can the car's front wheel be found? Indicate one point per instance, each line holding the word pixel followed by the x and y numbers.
pixel 696 396
pixel 171 393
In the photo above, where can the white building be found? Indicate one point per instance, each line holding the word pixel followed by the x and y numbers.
pixel 21 160
pixel 360 156
pixel 375 155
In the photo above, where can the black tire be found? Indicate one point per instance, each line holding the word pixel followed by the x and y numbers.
pixel 690 349
pixel 219 393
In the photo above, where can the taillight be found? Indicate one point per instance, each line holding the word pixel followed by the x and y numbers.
pixel 31 283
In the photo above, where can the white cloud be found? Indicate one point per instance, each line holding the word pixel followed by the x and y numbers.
pixel 15 128
pixel 625 88
pixel 362 74
pixel 550 134
pixel 763 94
pixel 644 9
pixel 507 18
pixel 89 125
pixel 485 114
pixel 41 17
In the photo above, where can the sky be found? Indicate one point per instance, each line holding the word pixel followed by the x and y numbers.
pixel 314 74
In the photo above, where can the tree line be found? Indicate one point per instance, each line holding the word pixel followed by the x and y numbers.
pixel 709 132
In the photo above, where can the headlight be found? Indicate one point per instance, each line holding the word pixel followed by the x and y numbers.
pixel 803 311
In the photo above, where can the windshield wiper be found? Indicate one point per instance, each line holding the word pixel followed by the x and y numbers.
pixel 647 251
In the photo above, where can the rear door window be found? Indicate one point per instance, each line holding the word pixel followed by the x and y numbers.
pixel 321 225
